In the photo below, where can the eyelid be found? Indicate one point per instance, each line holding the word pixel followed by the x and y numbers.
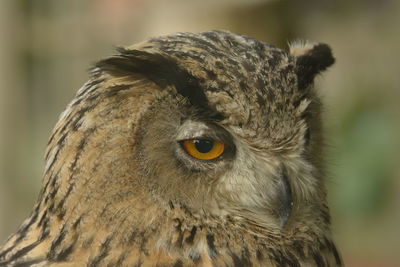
pixel 194 130
pixel 200 137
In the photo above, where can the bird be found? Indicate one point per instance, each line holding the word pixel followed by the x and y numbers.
pixel 187 149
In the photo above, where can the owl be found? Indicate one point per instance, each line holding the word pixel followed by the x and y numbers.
pixel 187 150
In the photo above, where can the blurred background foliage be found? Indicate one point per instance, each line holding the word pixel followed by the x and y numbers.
pixel 46 48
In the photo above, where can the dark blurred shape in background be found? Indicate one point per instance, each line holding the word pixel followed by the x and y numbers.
pixel 46 48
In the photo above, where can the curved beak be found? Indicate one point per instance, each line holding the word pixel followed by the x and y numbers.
pixel 285 199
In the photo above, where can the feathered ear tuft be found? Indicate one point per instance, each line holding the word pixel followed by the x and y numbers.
pixel 128 62
pixel 311 59
pixel 158 68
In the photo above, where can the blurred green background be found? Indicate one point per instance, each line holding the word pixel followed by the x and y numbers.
pixel 46 48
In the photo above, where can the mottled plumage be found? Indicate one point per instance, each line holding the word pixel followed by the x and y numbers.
pixel 120 190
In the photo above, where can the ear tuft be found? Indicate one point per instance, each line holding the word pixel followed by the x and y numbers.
pixel 127 62
pixel 311 59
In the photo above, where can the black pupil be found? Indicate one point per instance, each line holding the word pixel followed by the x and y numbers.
pixel 204 146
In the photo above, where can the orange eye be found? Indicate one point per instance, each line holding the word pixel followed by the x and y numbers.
pixel 204 149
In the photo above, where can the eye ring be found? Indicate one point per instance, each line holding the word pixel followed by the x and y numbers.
pixel 203 149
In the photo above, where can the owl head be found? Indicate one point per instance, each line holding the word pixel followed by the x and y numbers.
pixel 218 124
